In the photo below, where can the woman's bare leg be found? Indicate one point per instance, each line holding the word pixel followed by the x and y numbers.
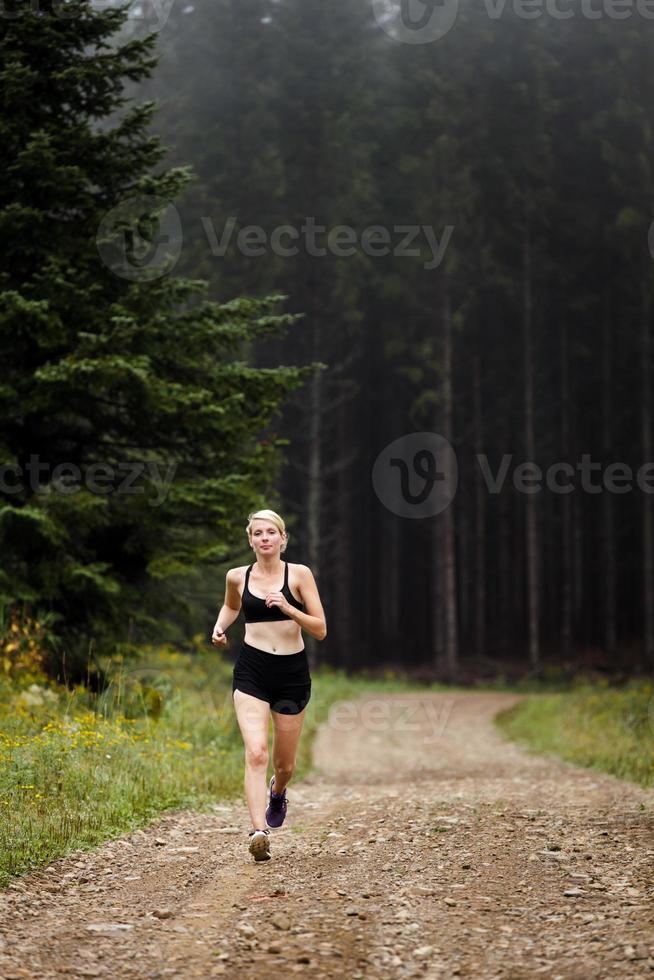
pixel 253 717
pixel 286 736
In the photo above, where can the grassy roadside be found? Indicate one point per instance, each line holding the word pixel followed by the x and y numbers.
pixel 610 729
pixel 78 768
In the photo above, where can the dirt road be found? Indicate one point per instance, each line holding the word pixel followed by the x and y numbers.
pixel 423 846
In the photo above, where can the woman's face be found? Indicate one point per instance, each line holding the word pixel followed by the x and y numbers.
pixel 265 537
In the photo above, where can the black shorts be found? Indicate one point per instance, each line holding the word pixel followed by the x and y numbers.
pixel 281 679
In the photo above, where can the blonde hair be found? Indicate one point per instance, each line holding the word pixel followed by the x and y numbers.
pixel 274 518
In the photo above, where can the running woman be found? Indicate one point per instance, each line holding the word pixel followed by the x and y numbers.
pixel 271 674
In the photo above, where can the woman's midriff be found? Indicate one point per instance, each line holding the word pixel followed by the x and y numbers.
pixel 277 637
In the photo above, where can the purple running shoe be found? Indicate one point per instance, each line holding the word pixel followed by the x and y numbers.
pixel 276 807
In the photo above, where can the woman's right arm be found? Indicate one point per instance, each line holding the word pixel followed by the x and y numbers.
pixel 229 610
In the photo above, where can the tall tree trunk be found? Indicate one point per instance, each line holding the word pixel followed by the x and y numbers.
pixel 504 621
pixel 479 522
pixel 451 638
pixel 314 495
pixel 343 578
pixel 437 592
pixel 578 591
pixel 646 445
pixel 462 562
pixel 390 583
pixel 608 533
pixel 533 616
pixel 566 503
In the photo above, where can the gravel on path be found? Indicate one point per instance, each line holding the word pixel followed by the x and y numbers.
pixel 422 845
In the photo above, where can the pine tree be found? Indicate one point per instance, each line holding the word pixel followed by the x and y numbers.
pixel 114 369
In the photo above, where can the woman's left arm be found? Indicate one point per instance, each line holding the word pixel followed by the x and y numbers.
pixel 313 620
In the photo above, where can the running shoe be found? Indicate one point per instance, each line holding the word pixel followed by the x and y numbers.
pixel 276 806
pixel 260 844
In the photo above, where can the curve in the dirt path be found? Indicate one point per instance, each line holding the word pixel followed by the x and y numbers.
pixel 422 845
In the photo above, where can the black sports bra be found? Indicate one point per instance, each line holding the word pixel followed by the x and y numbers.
pixel 255 609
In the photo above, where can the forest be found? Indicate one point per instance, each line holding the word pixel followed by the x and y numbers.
pixel 408 303
pixel 362 289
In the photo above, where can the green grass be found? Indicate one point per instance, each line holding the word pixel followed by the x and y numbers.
pixel 610 729
pixel 77 769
